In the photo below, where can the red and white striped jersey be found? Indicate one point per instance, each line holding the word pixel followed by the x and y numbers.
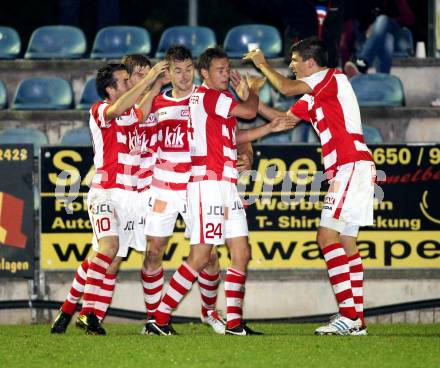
pixel 114 143
pixel 172 169
pixel 147 141
pixel 212 135
pixel 333 110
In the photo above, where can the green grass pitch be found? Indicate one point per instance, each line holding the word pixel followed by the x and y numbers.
pixel 284 345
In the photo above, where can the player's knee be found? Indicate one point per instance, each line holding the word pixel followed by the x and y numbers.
pixel 155 249
pixel 109 246
pixel 324 237
pixel 114 267
pixel 242 258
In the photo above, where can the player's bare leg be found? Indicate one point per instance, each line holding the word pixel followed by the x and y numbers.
pixel 339 274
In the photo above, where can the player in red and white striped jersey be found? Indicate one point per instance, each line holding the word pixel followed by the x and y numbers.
pixel 215 208
pixel 137 66
pixel 329 103
pixel 113 124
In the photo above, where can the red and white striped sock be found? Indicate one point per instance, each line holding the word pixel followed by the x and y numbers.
pixel 339 275
pixel 234 291
pixel 152 283
pixel 95 276
pixel 208 285
pixel 105 295
pixel 77 289
pixel 357 283
pixel 180 284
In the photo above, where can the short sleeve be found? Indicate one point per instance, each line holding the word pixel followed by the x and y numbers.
pixel 102 109
pixel 316 78
pixel 219 103
pixel 301 108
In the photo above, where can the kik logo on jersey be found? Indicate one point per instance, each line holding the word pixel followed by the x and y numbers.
pixel 174 137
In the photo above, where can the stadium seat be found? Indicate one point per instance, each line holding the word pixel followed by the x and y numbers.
pixel 3 96
pixel 266 94
pixel 404 44
pixel 56 42
pixel 10 43
pixel 197 39
pixel 378 90
pixel 267 37
pixel 117 41
pixel 77 137
pixel 89 95
pixel 372 135
pixel 24 135
pixel 43 93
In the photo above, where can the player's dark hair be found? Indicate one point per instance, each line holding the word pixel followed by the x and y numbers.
pixel 205 59
pixel 132 60
pixel 177 53
pixel 311 48
pixel 105 78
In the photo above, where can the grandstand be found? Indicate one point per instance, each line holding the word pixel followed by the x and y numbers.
pixel 46 87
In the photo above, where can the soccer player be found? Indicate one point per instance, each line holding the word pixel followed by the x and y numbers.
pixel 168 195
pixel 330 104
pixel 113 124
pixel 215 209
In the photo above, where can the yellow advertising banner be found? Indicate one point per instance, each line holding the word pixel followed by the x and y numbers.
pixel 285 194
pixel 270 250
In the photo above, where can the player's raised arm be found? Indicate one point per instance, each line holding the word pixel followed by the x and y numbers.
pixel 284 85
pixel 130 97
pixel 247 109
pixel 147 100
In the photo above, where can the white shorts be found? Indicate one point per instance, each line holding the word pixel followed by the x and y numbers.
pixel 349 201
pixel 140 209
pixel 166 206
pixel 216 212
pixel 111 214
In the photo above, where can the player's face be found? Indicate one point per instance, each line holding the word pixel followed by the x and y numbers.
pixel 298 66
pixel 182 74
pixel 217 76
pixel 138 73
pixel 122 85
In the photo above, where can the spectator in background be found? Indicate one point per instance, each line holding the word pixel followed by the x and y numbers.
pixel 305 18
pixel 380 22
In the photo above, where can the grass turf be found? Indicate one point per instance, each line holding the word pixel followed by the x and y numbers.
pixel 284 345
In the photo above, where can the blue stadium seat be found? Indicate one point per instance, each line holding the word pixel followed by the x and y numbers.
pixel 3 96
pixel 372 135
pixel 89 95
pixel 56 42
pixel 197 39
pixel 10 44
pixel 404 44
pixel 266 94
pixel 43 93
pixel 267 37
pixel 378 90
pixel 77 137
pixel 24 135
pixel 117 41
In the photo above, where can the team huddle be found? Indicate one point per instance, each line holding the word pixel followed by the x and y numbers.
pixel 158 154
